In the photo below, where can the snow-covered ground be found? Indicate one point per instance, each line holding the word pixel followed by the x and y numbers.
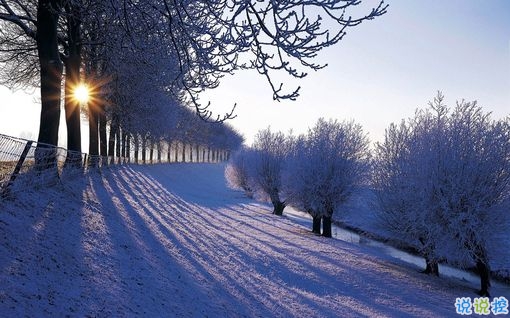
pixel 174 241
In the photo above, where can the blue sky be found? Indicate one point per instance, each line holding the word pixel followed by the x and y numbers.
pixel 386 68
pixel 380 73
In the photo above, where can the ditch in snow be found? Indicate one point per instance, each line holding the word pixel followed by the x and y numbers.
pixel 467 278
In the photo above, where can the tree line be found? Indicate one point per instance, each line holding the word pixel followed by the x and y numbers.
pixel 144 59
pixel 441 179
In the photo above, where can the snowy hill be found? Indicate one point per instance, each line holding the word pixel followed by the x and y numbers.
pixel 174 241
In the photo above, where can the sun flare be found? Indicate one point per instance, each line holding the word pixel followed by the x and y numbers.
pixel 82 93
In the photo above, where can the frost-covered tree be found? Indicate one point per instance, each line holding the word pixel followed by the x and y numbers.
pixel 267 161
pixel 443 181
pixel 203 40
pixel 324 169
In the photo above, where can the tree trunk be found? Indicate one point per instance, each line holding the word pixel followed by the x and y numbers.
pixel 190 153
pixel 159 148
pixel 482 266
pixel 278 205
pixel 176 151
pixel 144 149
pixel 103 142
pixel 111 139
pixel 123 149
pixel 72 80
pixel 183 152
pixel 431 267
pixel 484 272
pixel 151 151
pixel 326 226
pixel 316 225
pixel 137 147
pixel 117 142
pixel 278 208
pixel 93 135
pixel 51 77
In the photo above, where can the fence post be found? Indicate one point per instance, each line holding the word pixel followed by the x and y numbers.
pixel 17 169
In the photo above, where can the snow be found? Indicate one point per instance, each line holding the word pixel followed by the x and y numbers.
pixel 175 241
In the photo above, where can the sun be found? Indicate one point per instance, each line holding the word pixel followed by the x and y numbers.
pixel 82 93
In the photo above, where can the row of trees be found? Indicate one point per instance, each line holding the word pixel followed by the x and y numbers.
pixel 316 172
pixel 144 58
pixel 441 179
pixel 179 136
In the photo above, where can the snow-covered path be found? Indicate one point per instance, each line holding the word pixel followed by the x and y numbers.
pixel 174 241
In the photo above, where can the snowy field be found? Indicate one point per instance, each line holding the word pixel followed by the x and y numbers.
pixel 174 241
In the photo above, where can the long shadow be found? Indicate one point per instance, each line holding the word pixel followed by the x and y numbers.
pixel 40 257
pixel 140 257
pixel 243 250
pixel 186 234
pixel 140 246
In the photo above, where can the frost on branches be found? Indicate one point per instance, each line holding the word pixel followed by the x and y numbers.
pixel 316 172
pixel 443 183
pixel 267 162
pixel 324 169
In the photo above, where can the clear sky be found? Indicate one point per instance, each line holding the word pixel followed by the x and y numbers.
pixel 380 73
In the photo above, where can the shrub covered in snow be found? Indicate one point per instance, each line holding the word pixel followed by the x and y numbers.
pixel 443 183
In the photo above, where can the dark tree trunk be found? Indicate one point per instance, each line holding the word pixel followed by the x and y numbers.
pixel 123 150
pixel 103 142
pixel 326 226
pixel 190 153
pixel 137 148
pixel 316 225
pixel 484 272
pixel 176 151
pixel 144 150
pixel 151 151
pixel 431 267
pixel 168 154
pixel 51 77
pixel 118 141
pixel 159 148
pixel 183 152
pixel 278 205
pixel 111 141
pixel 72 80
pixel 278 208
pixel 482 266
pixel 93 135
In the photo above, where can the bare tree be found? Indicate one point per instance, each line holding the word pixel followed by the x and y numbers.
pixel 216 37
pixel 191 44
pixel 30 27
